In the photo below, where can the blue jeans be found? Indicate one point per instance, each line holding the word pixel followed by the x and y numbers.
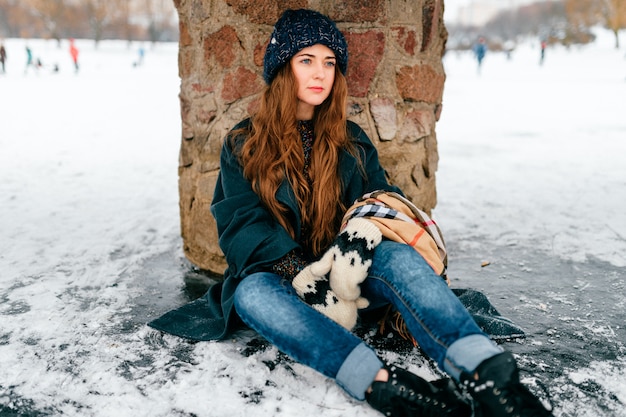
pixel 399 276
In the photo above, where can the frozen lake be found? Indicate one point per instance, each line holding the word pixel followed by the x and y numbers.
pixel 531 181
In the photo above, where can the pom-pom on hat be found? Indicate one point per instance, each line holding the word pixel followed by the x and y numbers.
pixel 299 29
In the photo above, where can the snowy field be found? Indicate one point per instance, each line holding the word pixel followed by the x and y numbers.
pixel 531 180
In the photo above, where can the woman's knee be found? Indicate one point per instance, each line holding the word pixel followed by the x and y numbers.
pixel 252 291
pixel 401 258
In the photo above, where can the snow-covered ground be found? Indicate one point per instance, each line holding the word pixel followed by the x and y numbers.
pixel 531 179
pixel 540 146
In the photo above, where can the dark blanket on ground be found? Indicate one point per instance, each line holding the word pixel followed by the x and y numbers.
pixel 486 315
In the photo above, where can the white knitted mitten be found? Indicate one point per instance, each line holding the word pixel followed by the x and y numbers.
pixel 315 291
pixel 331 285
pixel 349 258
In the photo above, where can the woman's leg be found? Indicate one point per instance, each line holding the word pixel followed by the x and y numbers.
pixel 436 318
pixel 269 304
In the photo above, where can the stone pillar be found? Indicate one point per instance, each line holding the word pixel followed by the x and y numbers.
pixel 395 80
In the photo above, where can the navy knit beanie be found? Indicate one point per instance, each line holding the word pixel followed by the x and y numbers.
pixel 299 29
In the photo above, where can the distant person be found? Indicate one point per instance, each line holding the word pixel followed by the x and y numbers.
pixel 480 50
pixel 29 60
pixel 74 54
pixel 3 56
pixel 544 44
pixel 141 52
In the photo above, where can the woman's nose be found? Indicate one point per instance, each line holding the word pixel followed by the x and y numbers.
pixel 319 71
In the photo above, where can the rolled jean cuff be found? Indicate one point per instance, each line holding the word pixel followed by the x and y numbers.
pixel 358 371
pixel 467 353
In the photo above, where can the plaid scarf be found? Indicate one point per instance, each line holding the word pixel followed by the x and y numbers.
pixel 401 221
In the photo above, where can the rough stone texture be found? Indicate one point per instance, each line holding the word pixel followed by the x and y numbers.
pixel 420 83
pixel 365 53
pixel 395 82
pixel 385 116
pixel 242 83
pixel 221 46
pixel 356 10
pixel 407 38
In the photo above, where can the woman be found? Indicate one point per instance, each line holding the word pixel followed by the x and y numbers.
pixel 287 177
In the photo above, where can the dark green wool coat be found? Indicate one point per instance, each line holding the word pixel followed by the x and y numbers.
pixel 252 240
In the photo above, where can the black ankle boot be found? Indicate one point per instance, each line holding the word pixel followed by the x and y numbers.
pixel 407 395
pixel 496 387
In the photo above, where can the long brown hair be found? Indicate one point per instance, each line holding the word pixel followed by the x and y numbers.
pixel 273 152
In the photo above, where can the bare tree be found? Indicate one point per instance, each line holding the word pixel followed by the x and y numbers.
pixel 13 19
pixel 98 16
pixel 124 15
pixel 609 13
pixel 51 13
pixel 96 19
pixel 158 14
pixel 613 13
pixel 539 19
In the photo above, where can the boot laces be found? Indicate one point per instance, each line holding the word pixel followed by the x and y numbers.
pixel 413 398
pixel 517 401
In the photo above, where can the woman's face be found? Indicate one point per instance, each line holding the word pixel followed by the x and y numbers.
pixel 314 70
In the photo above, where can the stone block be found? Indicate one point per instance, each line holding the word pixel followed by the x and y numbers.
pixel 357 10
pixel 417 124
pixel 385 116
pixel 221 45
pixel 420 83
pixel 241 83
pixel 365 54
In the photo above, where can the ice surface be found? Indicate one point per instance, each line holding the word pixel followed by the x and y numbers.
pixel 531 178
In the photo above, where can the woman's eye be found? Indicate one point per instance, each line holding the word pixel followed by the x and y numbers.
pixel 330 63
pixel 306 61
